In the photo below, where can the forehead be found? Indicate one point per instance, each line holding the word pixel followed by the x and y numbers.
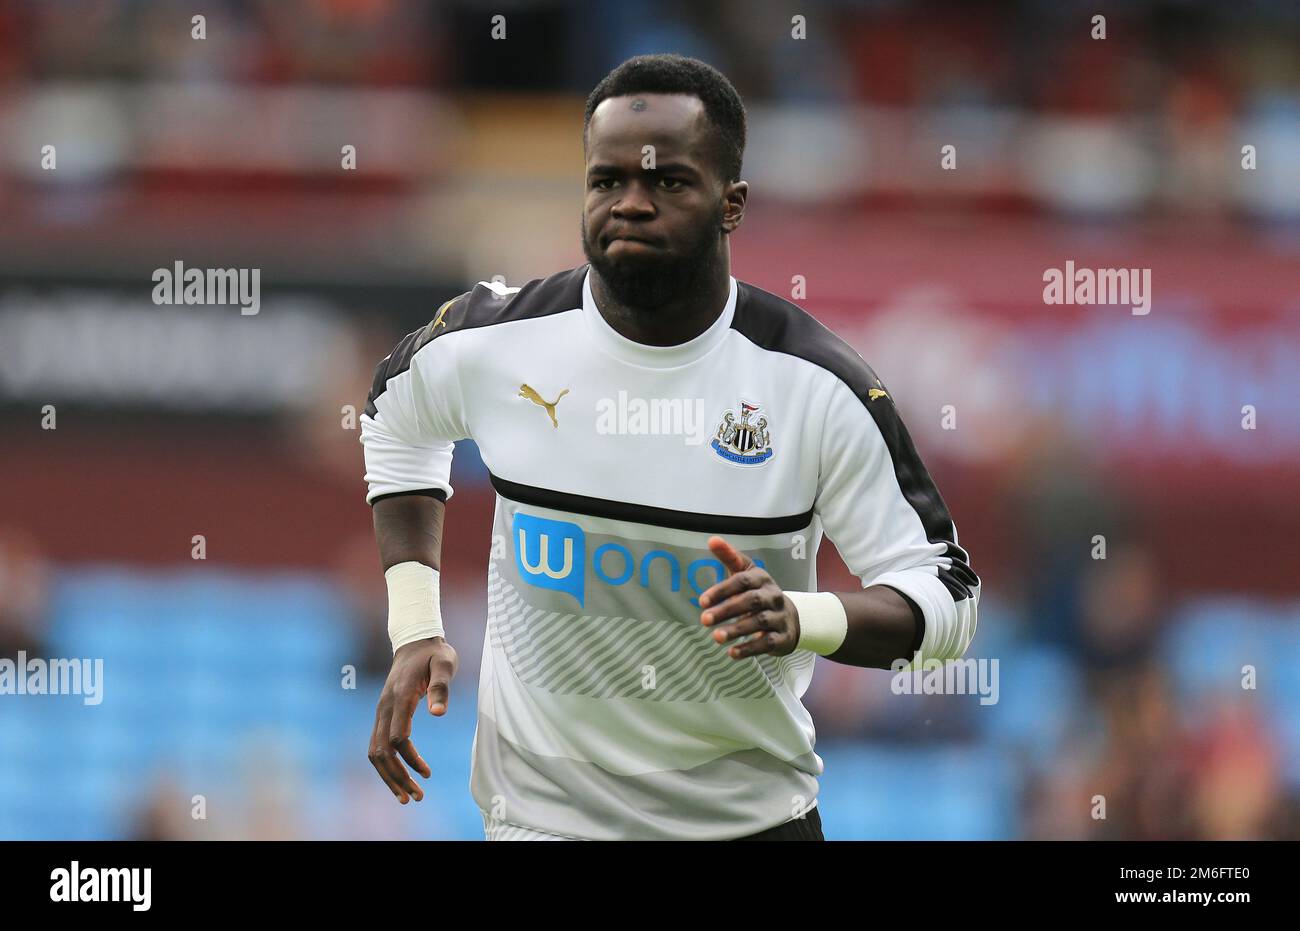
pixel 675 124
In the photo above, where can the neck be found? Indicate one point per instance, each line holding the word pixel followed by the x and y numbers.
pixel 673 323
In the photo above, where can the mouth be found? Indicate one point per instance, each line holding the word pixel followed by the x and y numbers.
pixel 631 245
pixel 631 237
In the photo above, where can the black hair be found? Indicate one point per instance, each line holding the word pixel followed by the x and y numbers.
pixel 677 74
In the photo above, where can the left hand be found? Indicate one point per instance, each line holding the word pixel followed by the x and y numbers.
pixel 748 601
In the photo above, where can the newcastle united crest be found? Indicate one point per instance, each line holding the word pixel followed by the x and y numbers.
pixel 743 437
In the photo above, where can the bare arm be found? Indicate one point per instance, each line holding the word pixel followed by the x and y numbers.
pixel 413 417
pixel 408 528
pixel 882 628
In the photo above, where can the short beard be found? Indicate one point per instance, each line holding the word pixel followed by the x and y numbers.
pixel 651 281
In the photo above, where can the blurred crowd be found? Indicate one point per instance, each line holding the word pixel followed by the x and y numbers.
pixel 1193 60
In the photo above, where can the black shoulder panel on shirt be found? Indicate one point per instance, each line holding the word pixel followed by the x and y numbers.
pixel 771 322
pixel 481 307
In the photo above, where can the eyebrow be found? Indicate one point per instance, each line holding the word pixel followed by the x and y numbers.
pixel 603 168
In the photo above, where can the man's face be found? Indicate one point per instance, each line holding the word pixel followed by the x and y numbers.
pixel 654 234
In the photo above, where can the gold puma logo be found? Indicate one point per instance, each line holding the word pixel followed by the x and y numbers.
pixel 442 312
pixel 874 393
pixel 531 394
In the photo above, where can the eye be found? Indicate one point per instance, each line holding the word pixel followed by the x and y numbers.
pixel 672 184
pixel 602 184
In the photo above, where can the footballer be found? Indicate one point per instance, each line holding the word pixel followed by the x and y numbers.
pixel 653 610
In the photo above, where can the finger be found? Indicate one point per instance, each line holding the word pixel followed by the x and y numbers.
pixel 441 670
pixel 438 694
pixel 397 776
pixel 729 556
pixel 404 704
pixel 746 602
pixel 406 750
pixel 381 754
pixel 399 739
pixel 733 585
pixel 750 623
pixel 761 643
pixel 376 757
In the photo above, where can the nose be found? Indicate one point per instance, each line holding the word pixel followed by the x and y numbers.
pixel 635 202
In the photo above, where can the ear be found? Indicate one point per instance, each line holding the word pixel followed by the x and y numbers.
pixel 735 194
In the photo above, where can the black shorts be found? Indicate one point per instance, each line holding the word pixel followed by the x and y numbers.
pixel 809 827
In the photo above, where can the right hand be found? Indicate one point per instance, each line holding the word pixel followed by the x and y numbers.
pixel 421 668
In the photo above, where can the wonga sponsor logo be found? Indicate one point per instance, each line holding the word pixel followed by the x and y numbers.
pixel 552 554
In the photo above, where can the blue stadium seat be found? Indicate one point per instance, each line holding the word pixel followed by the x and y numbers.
pixel 910 794
pixel 1040 695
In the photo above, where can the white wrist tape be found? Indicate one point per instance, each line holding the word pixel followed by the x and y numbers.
pixel 823 624
pixel 413 612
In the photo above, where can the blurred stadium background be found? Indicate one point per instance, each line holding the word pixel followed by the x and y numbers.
pixel 1120 678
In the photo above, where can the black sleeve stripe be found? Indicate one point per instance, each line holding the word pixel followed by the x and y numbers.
pixel 480 307
pixel 960 578
pixel 774 323
pixel 399 360
pixel 425 492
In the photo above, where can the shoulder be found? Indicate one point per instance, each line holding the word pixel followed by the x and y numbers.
pixel 487 304
pixel 490 303
pixel 773 323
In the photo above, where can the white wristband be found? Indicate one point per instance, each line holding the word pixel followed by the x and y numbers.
pixel 413 611
pixel 823 623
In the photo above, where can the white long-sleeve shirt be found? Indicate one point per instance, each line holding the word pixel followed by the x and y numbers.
pixel 606 710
